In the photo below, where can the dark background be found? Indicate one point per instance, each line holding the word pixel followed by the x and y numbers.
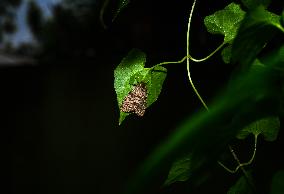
pixel 61 116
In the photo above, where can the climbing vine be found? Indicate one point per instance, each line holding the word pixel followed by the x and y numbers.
pixel 251 106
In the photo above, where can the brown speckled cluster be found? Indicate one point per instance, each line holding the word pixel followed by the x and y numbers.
pixel 136 100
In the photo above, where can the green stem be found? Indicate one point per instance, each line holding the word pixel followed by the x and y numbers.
pixel 191 58
pixel 249 181
pixel 253 155
pixel 210 55
pixel 240 165
pixel 187 61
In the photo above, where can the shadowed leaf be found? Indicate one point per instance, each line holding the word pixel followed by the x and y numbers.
pixel 268 127
pixel 241 186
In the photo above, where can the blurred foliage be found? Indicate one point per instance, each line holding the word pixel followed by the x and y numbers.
pixel 251 4
pixel 35 19
pixel 277 186
pixel 241 186
pixel 7 16
pixel 61 36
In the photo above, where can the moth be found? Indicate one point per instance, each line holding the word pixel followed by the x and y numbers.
pixel 136 100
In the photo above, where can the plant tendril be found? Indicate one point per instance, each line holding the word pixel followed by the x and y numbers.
pixel 201 99
pixel 242 164
pixel 191 58
pixel 187 59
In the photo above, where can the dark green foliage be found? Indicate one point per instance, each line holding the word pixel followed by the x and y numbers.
pixel 277 186
pixel 251 4
pixel 242 186
pixel 227 54
pixel 180 170
pixel 257 29
pixel 268 127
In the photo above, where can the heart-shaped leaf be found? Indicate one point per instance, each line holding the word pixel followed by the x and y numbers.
pixel 268 127
pixel 225 22
pixel 129 74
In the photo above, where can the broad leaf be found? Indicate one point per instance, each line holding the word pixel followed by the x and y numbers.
pixel 257 29
pixel 251 4
pixel 130 72
pixel 242 186
pixel 268 127
pixel 277 186
pixel 225 22
pixel 180 171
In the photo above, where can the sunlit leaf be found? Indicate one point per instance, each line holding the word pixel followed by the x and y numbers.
pixel 131 72
pixel 225 22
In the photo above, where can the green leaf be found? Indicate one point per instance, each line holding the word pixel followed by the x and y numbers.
pixel 227 54
pixel 155 83
pixel 268 127
pixel 251 4
pixel 277 186
pixel 225 22
pixel 130 72
pixel 180 171
pixel 153 78
pixel 257 29
pixel 241 186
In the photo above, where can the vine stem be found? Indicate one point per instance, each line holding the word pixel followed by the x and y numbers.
pixel 191 58
pixel 201 99
pixel 240 165
pixel 249 181
pixel 187 59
